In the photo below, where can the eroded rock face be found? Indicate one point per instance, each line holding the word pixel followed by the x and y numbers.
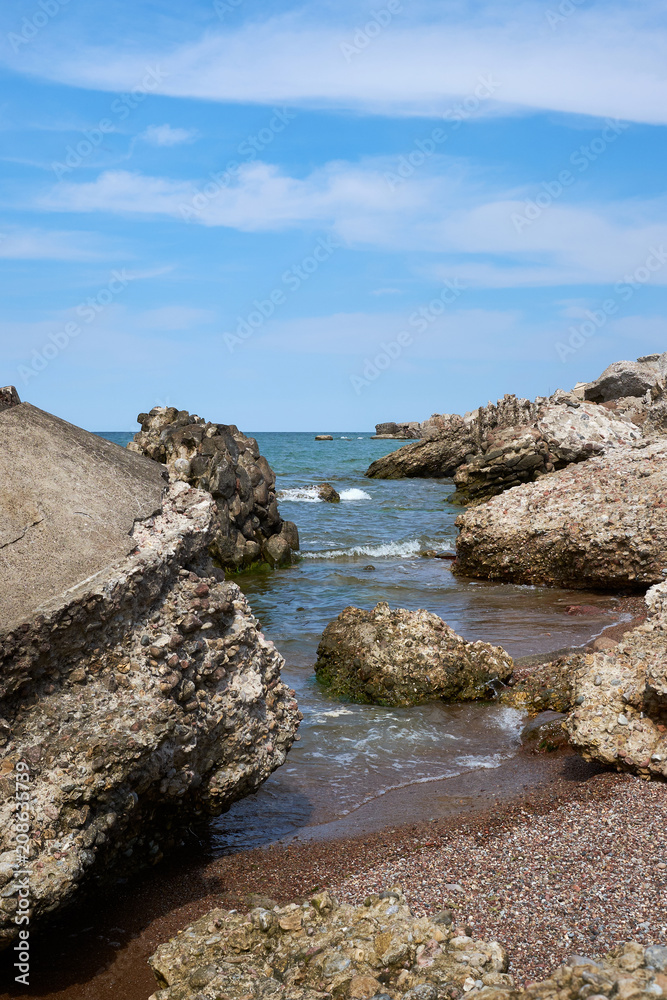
pixel 227 464
pixel 429 458
pixel 561 435
pixel 512 441
pixel 139 700
pixel 404 658
pixel 597 524
pixel 628 378
pixel 302 952
pixel 8 397
pixel 406 431
pixel 620 695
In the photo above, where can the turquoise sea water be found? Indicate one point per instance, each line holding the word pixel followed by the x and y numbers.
pixel 364 550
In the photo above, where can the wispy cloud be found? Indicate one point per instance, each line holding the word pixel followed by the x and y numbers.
pixel 449 214
pixel 166 135
pixel 608 60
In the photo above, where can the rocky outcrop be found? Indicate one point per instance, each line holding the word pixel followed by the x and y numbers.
pixel 227 464
pixel 620 697
pixel 324 437
pixel 8 397
pixel 629 378
pixel 561 435
pixel 514 441
pixel 407 431
pixel 323 948
pixel 598 524
pixel 405 658
pixel 136 692
pixel 379 951
pixel 431 458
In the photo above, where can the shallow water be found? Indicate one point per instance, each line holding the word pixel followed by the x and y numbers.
pixel 364 550
pixel 360 551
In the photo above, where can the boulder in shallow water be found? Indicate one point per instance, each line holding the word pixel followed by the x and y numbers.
pixel 326 492
pixel 405 658
pixel 324 437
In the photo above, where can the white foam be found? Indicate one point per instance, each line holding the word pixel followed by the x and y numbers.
pixel 399 550
pixel 354 494
pixel 301 494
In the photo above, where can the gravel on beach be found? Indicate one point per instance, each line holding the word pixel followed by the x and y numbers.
pixel 575 865
pixel 579 879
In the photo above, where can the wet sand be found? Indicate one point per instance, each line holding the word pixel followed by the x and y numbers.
pixel 99 949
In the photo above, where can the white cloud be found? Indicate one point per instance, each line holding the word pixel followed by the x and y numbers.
pixel 449 214
pixel 607 60
pixel 166 135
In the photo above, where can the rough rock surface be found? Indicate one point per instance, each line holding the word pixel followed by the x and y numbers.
pixel 8 397
pixel 620 696
pixel 560 436
pixel 326 492
pixel 598 524
pixel 321 948
pixel 379 950
pixel 501 445
pixel 404 658
pixel 227 464
pixel 136 698
pixel 406 431
pixel 628 378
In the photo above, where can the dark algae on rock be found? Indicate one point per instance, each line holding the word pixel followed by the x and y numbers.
pixel 399 657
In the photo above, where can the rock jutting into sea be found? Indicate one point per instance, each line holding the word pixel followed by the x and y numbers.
pixel 499 446
pixel 377 951
pixel 515 441
pixel 407 431
pixel 219 459
pixel 404 657
pixel 137 694
pixel 598 524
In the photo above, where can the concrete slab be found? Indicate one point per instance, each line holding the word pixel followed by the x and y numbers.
pixel 68 502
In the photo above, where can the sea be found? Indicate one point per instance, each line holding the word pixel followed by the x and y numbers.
pixel 372 547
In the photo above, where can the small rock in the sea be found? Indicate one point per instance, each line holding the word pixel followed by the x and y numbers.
pixel 324 437
pixel 400 657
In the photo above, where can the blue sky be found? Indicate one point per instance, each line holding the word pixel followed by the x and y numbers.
pixel 321 216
